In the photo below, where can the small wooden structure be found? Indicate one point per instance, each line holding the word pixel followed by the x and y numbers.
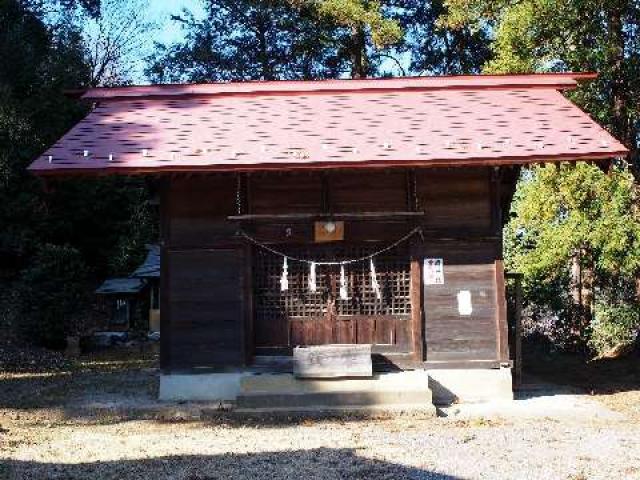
pixel 149 271
pixel 119 298
pixel 387 198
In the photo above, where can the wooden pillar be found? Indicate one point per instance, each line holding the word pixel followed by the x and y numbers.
pixel 502 331
pixel 417 325
pixel 496 200
pixel 517 341
pixel 165 294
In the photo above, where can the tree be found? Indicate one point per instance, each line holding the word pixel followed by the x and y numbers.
pixel 277 39
pixel 115 39
pixel 249 40
pixel 576 238
pixel 80 222
pixel 51 294
pixel 575 35
pixel 363 27
pixel 436 48
pixel 594 268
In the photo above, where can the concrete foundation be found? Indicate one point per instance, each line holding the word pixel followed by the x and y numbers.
pixel 443 386
pixel 470 385
pixel 218 387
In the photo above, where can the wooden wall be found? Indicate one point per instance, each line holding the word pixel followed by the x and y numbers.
pixel 450 336
pixel 206 270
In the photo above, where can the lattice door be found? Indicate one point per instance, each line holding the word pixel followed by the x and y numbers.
pixel 300 317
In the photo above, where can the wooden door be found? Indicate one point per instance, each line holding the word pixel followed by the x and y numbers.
pixel 301 317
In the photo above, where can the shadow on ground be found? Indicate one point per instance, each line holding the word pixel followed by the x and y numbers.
pixel 573 373
pixel 321 463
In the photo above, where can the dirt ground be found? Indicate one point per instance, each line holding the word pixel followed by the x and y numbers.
pixel 96 417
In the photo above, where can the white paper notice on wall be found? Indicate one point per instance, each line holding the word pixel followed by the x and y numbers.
pixel 433 271
pixel 464 302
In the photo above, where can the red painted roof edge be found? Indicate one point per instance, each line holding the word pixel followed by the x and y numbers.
pixel 288 87
pixel 433 163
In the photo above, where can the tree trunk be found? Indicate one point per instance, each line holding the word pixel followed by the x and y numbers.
pixel 623 129
pixel 359 60
pixel 265 67
pixel 582 295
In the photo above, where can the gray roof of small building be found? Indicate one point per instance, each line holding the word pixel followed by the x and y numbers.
pixel 120 285
pixel 150 268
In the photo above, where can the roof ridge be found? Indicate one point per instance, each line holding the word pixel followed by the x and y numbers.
pixel 557 81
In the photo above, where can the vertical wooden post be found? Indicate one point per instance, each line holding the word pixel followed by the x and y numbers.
pixel 165 294
pixel 496 200
pixel 417 326
pixel 248 305
pixel 502 331
pixel 518 330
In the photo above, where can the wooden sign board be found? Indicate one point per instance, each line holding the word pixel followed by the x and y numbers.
pixel 328 231
pixel 332 361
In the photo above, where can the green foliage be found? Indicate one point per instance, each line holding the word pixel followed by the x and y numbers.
pixel 250 40
pixel 438 48
pixel 90 226
pixel 362 15
pixel 51 292
pixel 614 325
pixel 277 39
pixel 560 211
pixel 574 35
pixel 141 229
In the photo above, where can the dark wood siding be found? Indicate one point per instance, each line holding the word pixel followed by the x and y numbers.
pixel 450 336
pixel 207 270
pixel 206 308
pixel 457 199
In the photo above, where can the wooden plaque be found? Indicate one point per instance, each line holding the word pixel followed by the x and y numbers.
pixel 332 361
pixel 328 231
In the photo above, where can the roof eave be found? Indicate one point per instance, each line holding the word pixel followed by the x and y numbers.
pixel 432 163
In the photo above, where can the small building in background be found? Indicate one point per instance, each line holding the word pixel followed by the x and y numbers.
pixel 149 271
pixel 121 299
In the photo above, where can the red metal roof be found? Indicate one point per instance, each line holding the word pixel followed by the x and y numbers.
pixel 425 121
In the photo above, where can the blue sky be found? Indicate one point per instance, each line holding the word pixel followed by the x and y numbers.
pixel 160 12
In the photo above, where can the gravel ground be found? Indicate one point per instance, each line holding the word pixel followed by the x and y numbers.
pixel 400 447
pixel 97 419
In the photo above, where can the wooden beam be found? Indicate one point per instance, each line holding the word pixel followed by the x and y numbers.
pixel 293 217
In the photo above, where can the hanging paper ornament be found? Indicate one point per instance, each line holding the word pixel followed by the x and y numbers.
pixel 343 284
pixel 312 277
pixel 284 279
pixel 375 286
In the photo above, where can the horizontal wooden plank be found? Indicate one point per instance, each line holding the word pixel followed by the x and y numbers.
pixel 332 361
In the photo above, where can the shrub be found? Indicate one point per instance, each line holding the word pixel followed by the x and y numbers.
pixel 613 326
pixel 51 291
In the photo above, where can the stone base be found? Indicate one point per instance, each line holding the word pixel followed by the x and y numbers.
pixel 216 387
pixel 470 385
pixel 445 386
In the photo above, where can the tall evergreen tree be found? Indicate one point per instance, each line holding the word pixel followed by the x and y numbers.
pixel 249 40
pixel 557 234
pixel 436 49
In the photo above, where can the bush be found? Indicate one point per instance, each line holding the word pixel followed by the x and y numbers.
pixel 613 326
pixel 51 291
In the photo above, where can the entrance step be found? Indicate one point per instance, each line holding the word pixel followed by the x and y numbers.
pixel 407 390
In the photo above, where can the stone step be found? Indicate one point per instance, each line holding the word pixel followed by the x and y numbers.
pixel 426 410
pixel 282 383
pixel 284 392
pixel 333 399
